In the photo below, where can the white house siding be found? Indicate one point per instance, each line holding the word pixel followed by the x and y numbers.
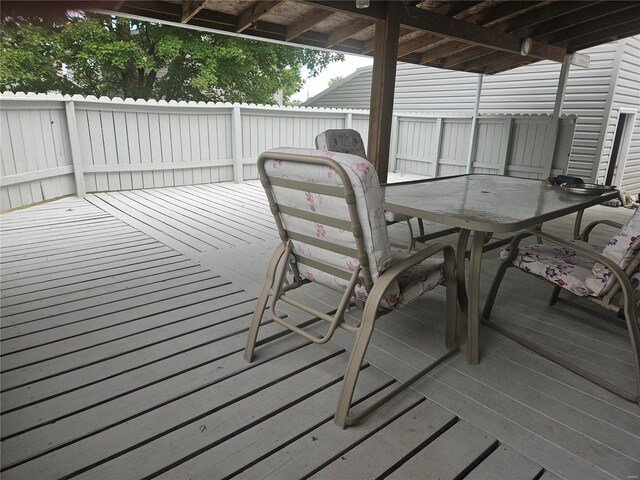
pixel 529 89
pixel 444 91
pixel 626 95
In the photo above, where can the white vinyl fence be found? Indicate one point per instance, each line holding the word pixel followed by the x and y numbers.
pixel 52 146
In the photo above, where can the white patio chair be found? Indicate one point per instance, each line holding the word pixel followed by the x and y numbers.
pixel 346 140
pixel 582 269
pixel 328 211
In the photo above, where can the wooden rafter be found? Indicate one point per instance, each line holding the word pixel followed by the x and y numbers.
pixel 252 14
pixel 306 23
pixel 417 43
pixel 458 10
pixel 190 9
pixel 347 30
pixel 474 34
pixel 369 45
pixel 523 26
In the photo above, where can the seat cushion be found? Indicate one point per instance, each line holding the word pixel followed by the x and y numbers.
pixel 559 265
pixel 418 279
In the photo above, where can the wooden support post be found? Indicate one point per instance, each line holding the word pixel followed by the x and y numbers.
pixel 74 142
pixel 236 129
pixel 550 143
pixel 474 123
pixel 382 90
pixel 348 120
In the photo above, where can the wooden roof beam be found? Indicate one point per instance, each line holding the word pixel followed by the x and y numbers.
pixel 469 33
pixel 523 26
pixel 458 9
pixel 252 14
pixel 486 18
pixel 307 22
pixel 587 34
pixel 347 30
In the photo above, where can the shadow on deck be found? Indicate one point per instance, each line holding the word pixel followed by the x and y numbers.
pixel 124 317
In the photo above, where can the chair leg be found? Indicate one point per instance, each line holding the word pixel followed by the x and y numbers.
pixel 421 226
pixel 352 372
pixel 410 235
pixel 363 336
pixel 631 318
pixel 554 296
pixel 262 302
pixel 497 280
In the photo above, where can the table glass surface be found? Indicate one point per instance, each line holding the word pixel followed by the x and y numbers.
pixel 490 203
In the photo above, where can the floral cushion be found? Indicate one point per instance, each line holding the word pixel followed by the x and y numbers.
pixel 559 265
pixel 364 181
pixel 621 249
pixel 343 140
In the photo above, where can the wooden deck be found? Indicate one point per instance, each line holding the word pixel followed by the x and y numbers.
pixel 124 317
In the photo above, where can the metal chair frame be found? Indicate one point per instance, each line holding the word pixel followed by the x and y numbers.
pixel 622 283
pixel 284 261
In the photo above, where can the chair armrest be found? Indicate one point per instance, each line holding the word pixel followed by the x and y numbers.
pixel 587 230
pixel 606 261
pixel 390 275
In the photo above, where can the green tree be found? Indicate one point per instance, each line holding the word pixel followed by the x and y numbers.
pixel 102 55
pixel 333 81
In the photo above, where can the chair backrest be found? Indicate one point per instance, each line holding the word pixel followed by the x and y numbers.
pixel 343 140
pixel 622 248
pixel 329 207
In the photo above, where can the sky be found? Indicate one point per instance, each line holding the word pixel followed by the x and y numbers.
pixel 313 86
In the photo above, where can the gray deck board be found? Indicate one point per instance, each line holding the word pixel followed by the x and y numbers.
pixel 124 318
pixel 504 463
pixel 449 455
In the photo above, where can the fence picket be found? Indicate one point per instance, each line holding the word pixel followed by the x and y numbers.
pixel 120 144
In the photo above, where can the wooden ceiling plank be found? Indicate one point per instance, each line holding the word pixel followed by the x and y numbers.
pixel 347 30
pixel 474 34
pixel 375 11
pixel 309 21
pixel 524 25
pixel 625 12
pixel 628 29
pixel 190 9
pixel 253 13
pixel 369 45
pixel 417 43
pixel 465 56
pixel 444 51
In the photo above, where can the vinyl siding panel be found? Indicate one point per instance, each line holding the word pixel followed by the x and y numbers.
pixel 626 95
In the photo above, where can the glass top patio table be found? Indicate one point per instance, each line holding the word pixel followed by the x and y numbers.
pixel 483 204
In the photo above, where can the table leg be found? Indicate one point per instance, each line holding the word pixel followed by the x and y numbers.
pixel 461 252
pixel 473 310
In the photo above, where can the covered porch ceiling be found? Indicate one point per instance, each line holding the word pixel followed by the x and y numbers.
pixel 474 36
